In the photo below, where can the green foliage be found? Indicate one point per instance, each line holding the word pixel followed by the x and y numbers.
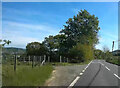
pixel 98 54
pixel 4 42
pixel 79 31
pixel 35 48
pixel 82 28
pixel 51 43
pixel 114 60
pixel 81 52
pixel 25 75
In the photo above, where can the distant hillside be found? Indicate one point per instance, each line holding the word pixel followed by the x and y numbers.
pixel 11 50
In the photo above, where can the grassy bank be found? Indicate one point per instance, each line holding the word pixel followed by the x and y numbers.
pixel 114 61
pixel 25 75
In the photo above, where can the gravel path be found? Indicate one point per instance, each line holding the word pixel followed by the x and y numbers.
pixel 64 75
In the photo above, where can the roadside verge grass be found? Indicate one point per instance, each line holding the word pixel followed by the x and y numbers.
pixel 114 61
pixel 25 75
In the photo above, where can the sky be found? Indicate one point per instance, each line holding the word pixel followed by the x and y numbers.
pixel 25 22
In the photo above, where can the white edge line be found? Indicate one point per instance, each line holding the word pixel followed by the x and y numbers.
pixel 87 65
pixel 101 63
pixel 76 79
pixel 83 70
pixel 117 76
pixel 81 73
pixel 73 83
pixel 107 68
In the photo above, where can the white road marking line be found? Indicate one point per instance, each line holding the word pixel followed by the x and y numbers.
pixel 81 73
pixel 101 63
pixel 87 65
pixel 83 70
pixel 76 79
pixel 107 68
pixel 117 76
pixel 73 83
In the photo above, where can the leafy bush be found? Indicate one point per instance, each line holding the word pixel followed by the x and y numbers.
pixel 81 52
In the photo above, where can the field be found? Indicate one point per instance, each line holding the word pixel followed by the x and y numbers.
pixel 25 75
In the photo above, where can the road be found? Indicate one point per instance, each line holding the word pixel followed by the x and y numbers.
pixel 98 73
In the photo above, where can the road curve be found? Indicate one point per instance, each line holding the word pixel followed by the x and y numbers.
pixel 98 73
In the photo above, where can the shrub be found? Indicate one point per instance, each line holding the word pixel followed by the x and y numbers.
pixel 81 52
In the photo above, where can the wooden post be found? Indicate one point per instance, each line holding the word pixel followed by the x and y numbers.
pixel 64 59
pixel 60 59
pixel 44 57
pixel 24 59
pixel 29 59
pixel 40 59
pixel 32 62
pixel 15 62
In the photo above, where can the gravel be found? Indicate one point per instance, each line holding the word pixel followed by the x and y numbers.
pixel 64 75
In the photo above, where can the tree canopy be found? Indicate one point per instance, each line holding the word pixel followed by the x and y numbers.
pixel 82 28
pixel 35 48
pixel 76 40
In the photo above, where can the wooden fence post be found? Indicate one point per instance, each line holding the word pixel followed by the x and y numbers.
pixel 60 59
pixel 40 59
pixel 24 59
pixel 44 57
pixel 33 62
pixel 15 62
pixel 29 59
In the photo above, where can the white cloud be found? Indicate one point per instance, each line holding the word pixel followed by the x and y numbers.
pixel 21 42
pixel 21 33
pixel 24 26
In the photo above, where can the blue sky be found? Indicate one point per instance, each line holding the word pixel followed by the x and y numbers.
pixel 24 22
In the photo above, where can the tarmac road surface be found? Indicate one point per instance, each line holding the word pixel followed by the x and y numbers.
pixel 98 73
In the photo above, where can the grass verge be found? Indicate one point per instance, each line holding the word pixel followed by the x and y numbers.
pixel 114 61
pixel 25 75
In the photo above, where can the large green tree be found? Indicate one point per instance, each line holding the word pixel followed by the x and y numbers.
pixel 76 40
pixel 82 28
